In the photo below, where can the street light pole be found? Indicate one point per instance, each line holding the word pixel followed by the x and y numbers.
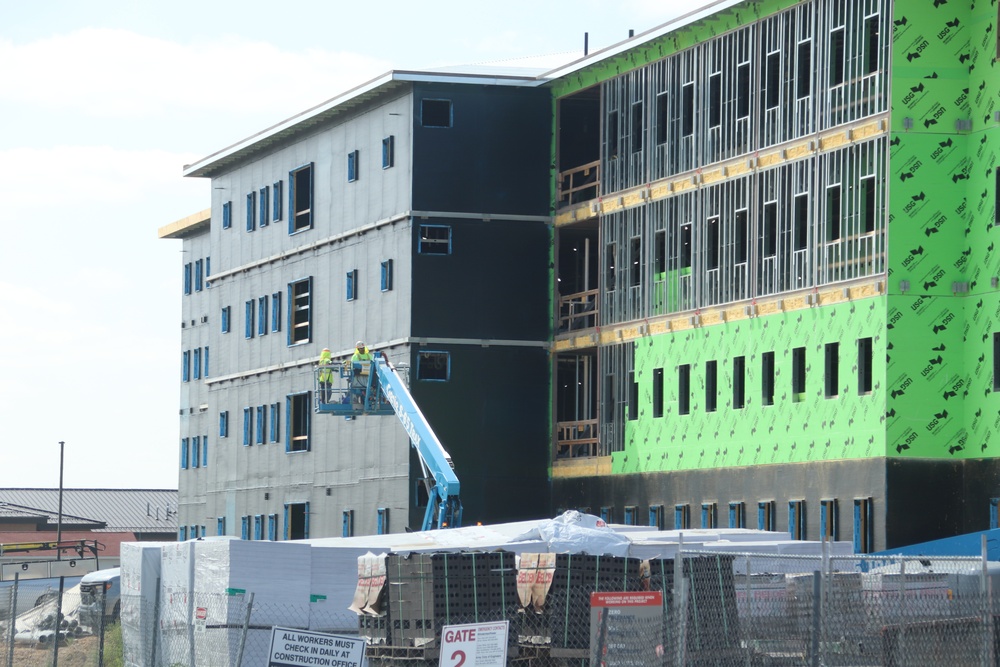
pixel 62 445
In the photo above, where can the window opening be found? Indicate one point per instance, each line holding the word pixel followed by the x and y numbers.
pixel 300 297
pixel 635 261
pixel 765 515
pixel 715 100
pixel 247 419
pixel 385 279
pixel 610 251
pixel 224 424
pixel 300 196
pixel 382 522
pixel 261 425
pixel 434 366
pixel 865 366
pixel 832 369
pixel 742 231
pixel 684 389
pixel 770 229
pixel 837 57
pixel 265 206
pixel 611 138
pixel 828 520
pixel 709 515
pixel 868 205
pixel 662 119
pixel 388 151
pixel 687 111
pixel 833 213
pixel 276 312
pixel 803 74
pixel 347 523
pixel 262 316
pixel 276 201
pixel 685 242
pixel 737 515
pixel 772 85
pixel 436 113
pixel 275 422
pixel 798 374
pixel 188 268
pixel 435 240
pixel 297 521
pixel 226 314
pixel 682 517
pixel 864 532
pixel 227 214
pixel 801 224
pixel 198 269
pixel 871 44
pixel 298 407
pixel 637 127
pixel 742 91
pixel 656 516
pixel 352 285
pixel 767 378
pixel 657 392
pixel 712 244
pixel 633 397
pixel 352 166
pixel 797 519
pixel 248 329
pixel 629 519
pixel 711 386
pixel 739 382
pixel 251 211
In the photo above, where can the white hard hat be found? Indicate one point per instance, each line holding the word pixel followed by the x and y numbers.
pixel 360 344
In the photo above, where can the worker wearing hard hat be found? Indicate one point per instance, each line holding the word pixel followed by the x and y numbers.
pixel 325 374
pixel 361 352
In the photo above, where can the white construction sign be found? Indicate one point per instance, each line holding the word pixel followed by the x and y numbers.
pixel 474 645
pixel 293 648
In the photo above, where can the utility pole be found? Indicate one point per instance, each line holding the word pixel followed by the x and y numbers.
pixel 62 446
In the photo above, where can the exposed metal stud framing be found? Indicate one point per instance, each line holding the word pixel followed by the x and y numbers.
pixel 616 363
pixel 743 233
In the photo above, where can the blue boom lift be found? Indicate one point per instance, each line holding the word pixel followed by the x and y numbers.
pixel 354 389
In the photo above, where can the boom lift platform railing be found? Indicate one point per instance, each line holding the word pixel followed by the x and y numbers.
pixel 358 388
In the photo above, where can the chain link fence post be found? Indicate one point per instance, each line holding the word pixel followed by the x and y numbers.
pixel 156 625
pixel 902 612
pixel 243 631
pixel 680 603
pixel 101 626
pixel 986 590
pixel 12 617
pixel 58 623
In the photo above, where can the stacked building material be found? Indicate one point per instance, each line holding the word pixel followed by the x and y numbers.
pixel 566 607
pixel 711 623
pixel 429 591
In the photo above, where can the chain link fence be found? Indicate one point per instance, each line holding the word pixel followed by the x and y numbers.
pixel 710 609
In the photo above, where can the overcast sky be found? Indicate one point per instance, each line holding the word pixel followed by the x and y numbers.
pixel 101 104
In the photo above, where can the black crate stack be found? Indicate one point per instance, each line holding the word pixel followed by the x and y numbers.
pixel 429 591
pixel 576 576
pixel 712 618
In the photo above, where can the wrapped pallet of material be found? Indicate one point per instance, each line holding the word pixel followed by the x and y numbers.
pixel 176 636
pixel 225 573
pixel 140 576
pixel 331 589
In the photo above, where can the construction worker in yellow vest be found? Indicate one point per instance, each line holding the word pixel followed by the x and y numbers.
pixel 361 352
pixel 325 374
pixel 359 376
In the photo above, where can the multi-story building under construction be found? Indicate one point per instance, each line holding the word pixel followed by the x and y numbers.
pixel 756 244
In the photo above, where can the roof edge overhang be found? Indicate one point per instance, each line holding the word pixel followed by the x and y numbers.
pixel 643 37
pixel 384 84
pixel 186 226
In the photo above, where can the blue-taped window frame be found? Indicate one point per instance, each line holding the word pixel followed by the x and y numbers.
pixel 261 424
pixel 656 516
pixel 352 285
pixel 682 516
pixel 199 266
pixel 709 515
pixel 388 151
pixel 347 529
pixel 797 519
pixel 352 166
pixel 187 278
pixel 300 199
pixel 208 271
pixel 276 312
pixel 385 279
pixel 265 206
pixel 224 424
pixel 994 513
pixel 182 534
pixel 184 453
pixel 434 240
pixel 272 527
pixel 275 422
pixel 204 361
pixel 196 363
pixel 258 527
pixel 276 201
pixel 244 527
pixel 737 515
pixel 226 319
pixel 203 533
pixel 433 366
pixel 765 515
pixel 382 521
pixel 607 513
pixel 630 515
pixel 864 527
pixel 248 324
pixel 227 214
pixel 829 527
pixel 300 311
pixel 196 451
pixel 262 311
pixel 252 211
pixel 220 525
pixel 204 451
pixel 186 366
pixel 247 418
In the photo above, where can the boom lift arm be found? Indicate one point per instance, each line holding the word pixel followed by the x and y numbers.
pixel 376 388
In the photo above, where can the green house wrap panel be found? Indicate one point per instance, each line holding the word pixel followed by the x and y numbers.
pixel 814 428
